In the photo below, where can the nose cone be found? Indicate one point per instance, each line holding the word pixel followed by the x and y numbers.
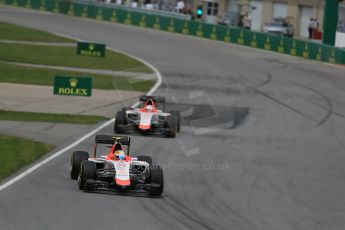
pixel 122 182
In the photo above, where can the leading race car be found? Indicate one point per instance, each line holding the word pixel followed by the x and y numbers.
pixel 148 118
pixel 116 170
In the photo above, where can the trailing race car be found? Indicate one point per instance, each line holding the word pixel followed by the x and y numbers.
pixel 148 118
pixel 117 170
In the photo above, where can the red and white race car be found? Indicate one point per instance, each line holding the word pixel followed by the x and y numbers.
pixel 116 170
pixel 148 118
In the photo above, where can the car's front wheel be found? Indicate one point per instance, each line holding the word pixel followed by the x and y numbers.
pixel 147 159
pixel 87 172
pixel 177 115
pixel 76 159
pixel 171 126
pixel 157 180
pixel 120 119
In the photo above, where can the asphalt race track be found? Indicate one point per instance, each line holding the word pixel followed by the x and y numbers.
pixel 262 142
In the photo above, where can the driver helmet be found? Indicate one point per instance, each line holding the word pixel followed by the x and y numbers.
pixel 120 154
pixel 149 108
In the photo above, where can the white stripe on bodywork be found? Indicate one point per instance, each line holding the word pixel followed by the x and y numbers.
pixel 122 172
pixel 145 120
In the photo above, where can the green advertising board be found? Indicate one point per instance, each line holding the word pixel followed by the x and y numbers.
pixel 73 86
pixel 91 49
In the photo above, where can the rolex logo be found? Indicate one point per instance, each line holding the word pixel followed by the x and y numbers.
pixel 91 47
pixel 73 82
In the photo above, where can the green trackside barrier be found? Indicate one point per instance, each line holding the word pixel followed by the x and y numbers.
pixel 47 5
pixel 220 33
pixel 284 45
pixel 33 4
pixel 121 16
pixel 75 9
pixel 50 6
pixel 146 21
pixel 21 3
pixel 55 6
pixel 106 14
pixel 8 2
pixel 167 23
pixel 133 18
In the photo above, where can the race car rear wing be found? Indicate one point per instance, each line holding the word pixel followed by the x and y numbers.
pixel 156 99
pixel 108 139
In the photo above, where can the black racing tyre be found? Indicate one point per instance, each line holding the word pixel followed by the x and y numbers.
pixel 148 159
pixel 76 159
pixel 120 119
pixel 177 115
pixel 171 126
pixel 87 171
pixel 156 178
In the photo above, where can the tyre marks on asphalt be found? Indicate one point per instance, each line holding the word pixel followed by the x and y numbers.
pixel 328 108
pixel 280 102
pixel 266 81
pixel 328 105
pixel 207 115
pixel 317 121
pixel 191 83
pixel 184 216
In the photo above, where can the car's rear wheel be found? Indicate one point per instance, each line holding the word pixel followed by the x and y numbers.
pixel 171 126
pixel 87 172
pixel 76 159
pixel 148 159
pixel 157 180
pixel 120 119
pixel 177 115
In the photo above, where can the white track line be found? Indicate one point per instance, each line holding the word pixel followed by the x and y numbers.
pixel 45 161
pixel 86 136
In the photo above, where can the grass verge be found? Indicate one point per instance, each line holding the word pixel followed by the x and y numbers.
pixel 17 152
pixel 20 33
pixel 38 76
pixel 66 56
pixel 48 117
